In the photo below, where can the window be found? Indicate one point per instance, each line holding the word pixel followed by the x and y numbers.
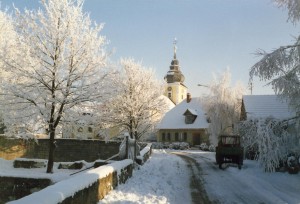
pixel 169 136
pixel 90 129
pixel 184 136
pixel 169 95
pixel 176 136
pixel 189 119
pixel 163 137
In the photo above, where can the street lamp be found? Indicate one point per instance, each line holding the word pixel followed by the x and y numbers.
pixel 203 85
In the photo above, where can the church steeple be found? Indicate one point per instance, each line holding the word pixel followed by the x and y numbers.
pixel 175 89
pixel 175 47
pixel 174 74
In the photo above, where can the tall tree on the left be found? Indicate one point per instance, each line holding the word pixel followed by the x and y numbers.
pixel 7 37
pixel 56 62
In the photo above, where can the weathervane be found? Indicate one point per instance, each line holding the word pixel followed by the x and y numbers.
pixel 175 47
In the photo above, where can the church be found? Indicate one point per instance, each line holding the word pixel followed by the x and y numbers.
pixel 186 122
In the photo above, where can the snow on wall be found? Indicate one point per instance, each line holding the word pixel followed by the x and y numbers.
pixel 67 188
pixel 146 149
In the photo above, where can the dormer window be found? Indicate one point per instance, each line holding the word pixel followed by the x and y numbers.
pixel 190 116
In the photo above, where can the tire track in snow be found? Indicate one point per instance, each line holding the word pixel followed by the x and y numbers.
pixel 198 192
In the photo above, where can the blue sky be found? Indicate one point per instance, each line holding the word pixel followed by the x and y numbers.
pixel 212 34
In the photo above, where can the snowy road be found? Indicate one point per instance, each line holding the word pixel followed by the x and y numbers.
pixel 248 185
pixel 189 176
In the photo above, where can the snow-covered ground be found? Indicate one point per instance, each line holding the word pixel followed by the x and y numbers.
pixel 165 179
pixel 7 169
pixel 162 179
pixel 248 185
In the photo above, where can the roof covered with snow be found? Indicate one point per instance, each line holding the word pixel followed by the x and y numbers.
pixel 174 119
pixel 170 104
pixel 257 106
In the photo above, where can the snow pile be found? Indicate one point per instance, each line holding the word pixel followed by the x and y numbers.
pixel 162 179
pixel 67 188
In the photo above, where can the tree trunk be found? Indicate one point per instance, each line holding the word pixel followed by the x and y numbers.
pixel 51 150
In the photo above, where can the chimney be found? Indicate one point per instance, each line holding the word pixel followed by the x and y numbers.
pixel 188 97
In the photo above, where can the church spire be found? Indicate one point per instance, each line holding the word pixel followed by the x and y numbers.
pixel 175 47
pixel 174 74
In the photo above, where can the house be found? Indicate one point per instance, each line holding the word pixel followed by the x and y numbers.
pixel 266 106
pixel 186 122
pixel 262 106
pixel 81 129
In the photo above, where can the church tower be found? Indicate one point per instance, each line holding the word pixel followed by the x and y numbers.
pixel 175 90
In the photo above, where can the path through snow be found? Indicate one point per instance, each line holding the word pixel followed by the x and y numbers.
pixel 162 179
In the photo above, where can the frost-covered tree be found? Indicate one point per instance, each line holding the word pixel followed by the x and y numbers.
pixel 293 7
pixel 270 139
pixel 7 46
pixel 137 106
pixel 281 67
pixel 222 106
pixel 56 63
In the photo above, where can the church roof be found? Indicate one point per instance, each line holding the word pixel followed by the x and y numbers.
pixel 175 119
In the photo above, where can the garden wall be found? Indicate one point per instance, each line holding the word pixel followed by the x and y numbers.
pixel 88 187
pixel 12 188
pixel 66 149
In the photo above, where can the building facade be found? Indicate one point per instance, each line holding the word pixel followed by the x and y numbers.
pixel 186 122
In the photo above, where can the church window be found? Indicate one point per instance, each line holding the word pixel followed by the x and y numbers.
pixel 169 136
pixel 176 136
pixel 184 136
pixel 163 137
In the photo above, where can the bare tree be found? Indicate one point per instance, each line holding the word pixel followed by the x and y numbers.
pixel 138 106
pixel 57 64
pixel 222 106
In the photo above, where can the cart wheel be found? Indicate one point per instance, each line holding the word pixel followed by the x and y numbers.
pixel 220 165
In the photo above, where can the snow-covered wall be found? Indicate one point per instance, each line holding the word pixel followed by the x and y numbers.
pixel 145 153
pixel 87 187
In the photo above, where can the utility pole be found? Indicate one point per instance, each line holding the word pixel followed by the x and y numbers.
pixel 251 87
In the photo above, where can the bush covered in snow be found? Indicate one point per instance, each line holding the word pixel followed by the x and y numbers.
pixel 212 148
pixel 179 145
pixel 270 140
pixel 204 147
pixel 173 145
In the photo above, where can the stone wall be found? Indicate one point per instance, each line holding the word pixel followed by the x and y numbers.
pixel 87 187
pixel 12 188
pixel 66 149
